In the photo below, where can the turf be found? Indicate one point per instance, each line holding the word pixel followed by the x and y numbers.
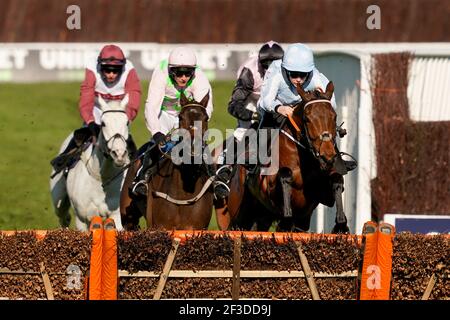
pixel 34 121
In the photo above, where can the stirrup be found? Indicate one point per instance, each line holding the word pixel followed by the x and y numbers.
pixel 137 188
pixel 224 173
pixel 221 190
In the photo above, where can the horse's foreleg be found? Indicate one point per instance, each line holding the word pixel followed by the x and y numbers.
pixel 117 220
pixel 80 224
pixel 341 219
pixel 286 187
pixel 60 199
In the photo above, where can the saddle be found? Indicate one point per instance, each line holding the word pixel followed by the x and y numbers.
pixel 81 140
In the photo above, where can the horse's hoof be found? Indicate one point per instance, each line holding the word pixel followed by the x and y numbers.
pixel 340 228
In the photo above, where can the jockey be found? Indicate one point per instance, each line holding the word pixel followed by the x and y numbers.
pixel 279 94
pixel 180 73
pixel 111 77
pixel 247 90
pixel 245 96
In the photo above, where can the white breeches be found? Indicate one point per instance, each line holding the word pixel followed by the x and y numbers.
pixel 242 127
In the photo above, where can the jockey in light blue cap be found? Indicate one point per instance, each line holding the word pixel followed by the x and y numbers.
pixel 299 57
pixel 279 92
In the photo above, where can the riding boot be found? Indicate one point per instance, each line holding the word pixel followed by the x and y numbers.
pixel 225 171
pixel 222 179
pixel 343 166
pixel 61 161
pixel 139 185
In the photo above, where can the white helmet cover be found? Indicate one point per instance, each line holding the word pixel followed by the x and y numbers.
pixel 182 57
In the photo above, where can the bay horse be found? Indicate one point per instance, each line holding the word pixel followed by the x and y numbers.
pixel 84 185
pixel 306 175
pixel 179 196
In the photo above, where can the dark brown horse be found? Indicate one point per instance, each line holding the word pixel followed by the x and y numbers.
pixel 178 194
pixel 306 175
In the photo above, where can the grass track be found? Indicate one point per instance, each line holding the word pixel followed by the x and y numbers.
pixel 34 121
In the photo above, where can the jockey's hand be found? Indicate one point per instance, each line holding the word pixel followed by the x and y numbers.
pixel 285 110
pixel 256 116
pixel 159 138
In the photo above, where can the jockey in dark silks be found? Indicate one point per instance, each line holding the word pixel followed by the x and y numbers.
pixel 111 77
pixel 245 96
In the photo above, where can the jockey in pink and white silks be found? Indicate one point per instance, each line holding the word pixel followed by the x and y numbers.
pixel 111 76
pixel 180 73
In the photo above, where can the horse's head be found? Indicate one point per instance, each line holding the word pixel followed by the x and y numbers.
pixel 114 133
pixel 318 118
pixel 194 118
pixel 193 114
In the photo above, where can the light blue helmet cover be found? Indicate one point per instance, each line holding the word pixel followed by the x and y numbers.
pixel 298 57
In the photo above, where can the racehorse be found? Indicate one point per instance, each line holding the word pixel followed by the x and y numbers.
pixel 178 194
pixel 306 175
pixel 89 186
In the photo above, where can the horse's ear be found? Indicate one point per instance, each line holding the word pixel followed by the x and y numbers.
pixel 329 91
pixel 303 94
pixel 102 103
pixel 124 102
pixel 205 100
pixel 183 100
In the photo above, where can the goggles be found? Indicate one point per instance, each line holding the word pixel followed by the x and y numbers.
pixel 297 74
pixel 179 72
pixel 111 69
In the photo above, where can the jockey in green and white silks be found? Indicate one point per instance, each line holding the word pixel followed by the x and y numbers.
pixel 179 73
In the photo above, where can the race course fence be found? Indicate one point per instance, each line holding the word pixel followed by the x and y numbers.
pixel 104 264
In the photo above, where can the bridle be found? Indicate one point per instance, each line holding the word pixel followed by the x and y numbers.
pixel 105 149
pixel 166 154
pixel 324 136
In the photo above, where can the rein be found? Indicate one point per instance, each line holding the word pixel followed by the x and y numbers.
pixel 202 191
pixel 324 136
pixel 106 153
pixel 188 201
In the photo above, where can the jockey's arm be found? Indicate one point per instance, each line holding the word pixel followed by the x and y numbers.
pixel 202 87
pixel 155 97
pixel 269 91
pixel 133 88
pixel 87 97
pixel 243 88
